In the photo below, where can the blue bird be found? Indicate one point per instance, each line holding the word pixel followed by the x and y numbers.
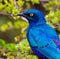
pixel 42 38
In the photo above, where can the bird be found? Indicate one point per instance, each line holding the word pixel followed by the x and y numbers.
pixel 43 39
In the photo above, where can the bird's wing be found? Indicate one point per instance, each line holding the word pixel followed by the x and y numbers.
pixel 33 44
pixel 45 44
pixel 51 33
pixel 31 41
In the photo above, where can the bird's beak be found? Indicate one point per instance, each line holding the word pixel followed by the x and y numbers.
pixel 24 17
pixel 21 14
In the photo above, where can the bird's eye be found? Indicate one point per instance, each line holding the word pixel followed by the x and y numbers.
pixel 31 14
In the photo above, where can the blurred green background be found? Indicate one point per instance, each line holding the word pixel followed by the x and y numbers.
pixel 13 41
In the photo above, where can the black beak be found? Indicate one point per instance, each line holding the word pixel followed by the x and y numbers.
pixel 21 14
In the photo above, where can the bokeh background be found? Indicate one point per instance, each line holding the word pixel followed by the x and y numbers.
pixel 13 41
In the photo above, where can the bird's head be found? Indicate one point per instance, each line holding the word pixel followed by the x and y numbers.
pixel 33 16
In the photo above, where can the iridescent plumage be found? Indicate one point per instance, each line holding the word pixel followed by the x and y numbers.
pixel 42 38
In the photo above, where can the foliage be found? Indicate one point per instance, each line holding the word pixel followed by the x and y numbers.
pixel 12 23
pixel 53 17
pixel 12 29
pixel 20 50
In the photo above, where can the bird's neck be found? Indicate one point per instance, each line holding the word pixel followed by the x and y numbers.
pixel 40 22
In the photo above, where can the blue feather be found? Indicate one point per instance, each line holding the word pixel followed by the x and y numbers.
pixel 42 38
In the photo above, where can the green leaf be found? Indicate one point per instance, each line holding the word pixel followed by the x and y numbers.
pixel 4 27
pixel 31 57
pixel 20 3
pixel 35 1
pixel 11 47
pixel 2 43
pixel 24 45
